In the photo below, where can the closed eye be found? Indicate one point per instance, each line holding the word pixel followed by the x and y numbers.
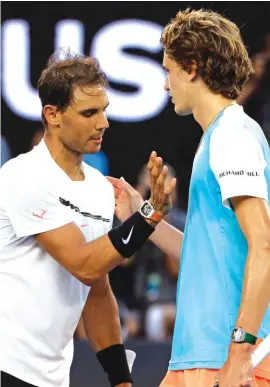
pixel 166 70
pixel 89 113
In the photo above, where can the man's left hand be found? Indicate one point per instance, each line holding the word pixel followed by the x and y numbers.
pixel 238 369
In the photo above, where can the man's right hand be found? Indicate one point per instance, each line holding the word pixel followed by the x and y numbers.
pixel 160 191
pixel 128 200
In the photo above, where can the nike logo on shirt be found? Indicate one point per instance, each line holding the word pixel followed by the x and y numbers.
pixel 125 241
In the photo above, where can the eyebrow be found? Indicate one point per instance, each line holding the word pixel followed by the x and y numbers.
pixel 92 109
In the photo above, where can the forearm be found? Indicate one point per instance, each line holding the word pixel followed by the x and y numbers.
pixel 168 239
pixel 256 290
pixel 95 259
pixel 98 257
pixel 101 321
pixel 103 329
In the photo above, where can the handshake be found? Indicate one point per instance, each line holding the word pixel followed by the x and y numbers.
pixel 128 200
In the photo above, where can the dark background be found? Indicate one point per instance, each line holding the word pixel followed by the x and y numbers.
pixel 127 144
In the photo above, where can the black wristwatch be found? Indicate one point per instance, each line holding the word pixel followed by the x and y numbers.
pixel 240 336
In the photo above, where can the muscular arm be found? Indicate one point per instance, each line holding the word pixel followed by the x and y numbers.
pixel 254 219
pixel 87 261
pixel 101 317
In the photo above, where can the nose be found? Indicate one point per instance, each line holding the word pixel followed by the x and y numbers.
pixel 102 122
pixel 166 85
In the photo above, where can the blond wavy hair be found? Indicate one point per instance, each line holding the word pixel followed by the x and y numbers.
pixel 214 45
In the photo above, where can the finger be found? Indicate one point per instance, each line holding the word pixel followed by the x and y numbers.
pixel 152 160
pixel 130 190
pixel 110 179
pixel 117 186
pixel 162 177
pixel 117 212
pixel 117 192
pixel 115 182
pixel 155 172
pixel 170 187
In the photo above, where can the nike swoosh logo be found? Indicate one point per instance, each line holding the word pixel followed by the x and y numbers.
pixel 125 241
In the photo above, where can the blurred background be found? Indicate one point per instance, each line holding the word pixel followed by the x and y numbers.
pixel 124 36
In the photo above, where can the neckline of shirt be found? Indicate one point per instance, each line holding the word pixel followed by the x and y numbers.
pixel 43 150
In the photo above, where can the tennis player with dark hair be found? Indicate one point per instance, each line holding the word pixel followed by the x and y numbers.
pixel 223 290
pixel 56 241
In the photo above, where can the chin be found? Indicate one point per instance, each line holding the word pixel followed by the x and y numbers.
pixel 93 149
pixel 180 111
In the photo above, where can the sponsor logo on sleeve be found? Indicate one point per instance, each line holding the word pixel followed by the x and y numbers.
pixel 239 173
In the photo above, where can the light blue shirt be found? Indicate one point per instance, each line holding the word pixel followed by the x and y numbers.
pixel 233 159
pixel 5 151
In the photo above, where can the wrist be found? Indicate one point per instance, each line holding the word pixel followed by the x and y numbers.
pixel 136 206
pixel 114 362
pixel 243 348
pixel 241 336
pixel 129 237
pixel 151 222
pixel 150 213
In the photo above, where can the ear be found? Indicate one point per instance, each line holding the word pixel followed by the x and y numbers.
pixel 193 71
pixel 52 115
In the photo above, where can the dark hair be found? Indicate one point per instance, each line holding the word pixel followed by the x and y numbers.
pixel 60 76
pixel 214 44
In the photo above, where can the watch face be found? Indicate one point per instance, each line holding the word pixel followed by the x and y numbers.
pixel 147 210
pixel 238 335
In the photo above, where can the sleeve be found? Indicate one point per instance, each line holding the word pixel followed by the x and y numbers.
pixel 35 210
pixel 237 161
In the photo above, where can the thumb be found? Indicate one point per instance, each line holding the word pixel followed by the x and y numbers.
pixel 127 186
pixel 110 179
pixel 115 182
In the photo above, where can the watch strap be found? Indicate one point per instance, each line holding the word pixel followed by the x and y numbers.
pixel 156 217
pixel 249 338
pixel 239 335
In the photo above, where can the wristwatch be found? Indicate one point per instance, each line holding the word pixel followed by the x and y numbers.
pixel 241 336
pixel 148 211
